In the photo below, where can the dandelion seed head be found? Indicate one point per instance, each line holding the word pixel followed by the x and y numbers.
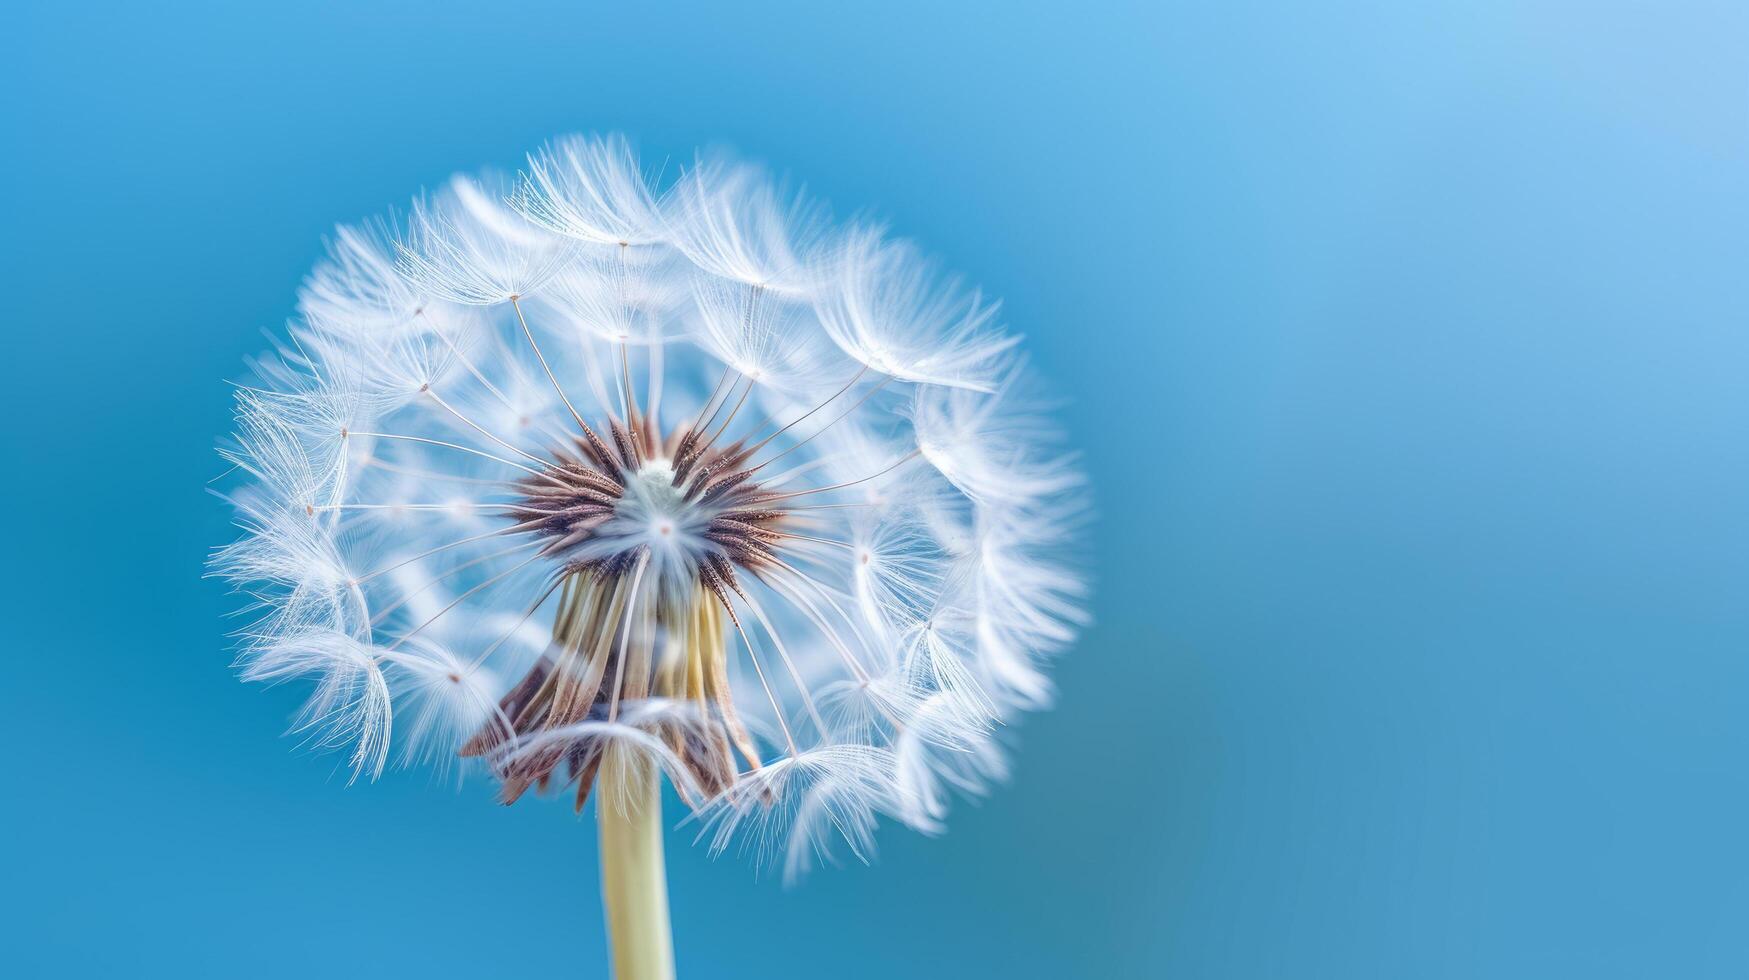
pixel 583 466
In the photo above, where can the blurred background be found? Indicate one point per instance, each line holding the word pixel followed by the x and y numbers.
pixel 1406 344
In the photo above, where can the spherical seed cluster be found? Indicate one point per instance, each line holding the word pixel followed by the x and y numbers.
pixel 575 467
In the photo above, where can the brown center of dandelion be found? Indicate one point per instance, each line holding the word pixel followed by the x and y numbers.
pixel 648 536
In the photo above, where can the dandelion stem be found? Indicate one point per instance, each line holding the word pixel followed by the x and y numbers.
pixel 634 889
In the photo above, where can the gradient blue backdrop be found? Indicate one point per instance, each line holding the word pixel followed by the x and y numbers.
pixel 1406 343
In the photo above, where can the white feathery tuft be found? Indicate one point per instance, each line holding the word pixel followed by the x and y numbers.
pixel 592 190
pixel 349 706
pixel 893 312
pixel 464 246
pixel 734 223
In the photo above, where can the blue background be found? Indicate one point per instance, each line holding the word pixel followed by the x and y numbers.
pixel 1406 344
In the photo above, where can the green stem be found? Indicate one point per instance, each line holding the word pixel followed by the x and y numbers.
pixel 634 889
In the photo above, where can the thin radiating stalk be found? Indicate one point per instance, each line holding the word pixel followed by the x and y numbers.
pixel 634 886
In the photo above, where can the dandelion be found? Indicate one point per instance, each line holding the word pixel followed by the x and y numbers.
pixel 589 484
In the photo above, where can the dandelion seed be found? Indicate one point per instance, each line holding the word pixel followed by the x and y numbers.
pixel 588 484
